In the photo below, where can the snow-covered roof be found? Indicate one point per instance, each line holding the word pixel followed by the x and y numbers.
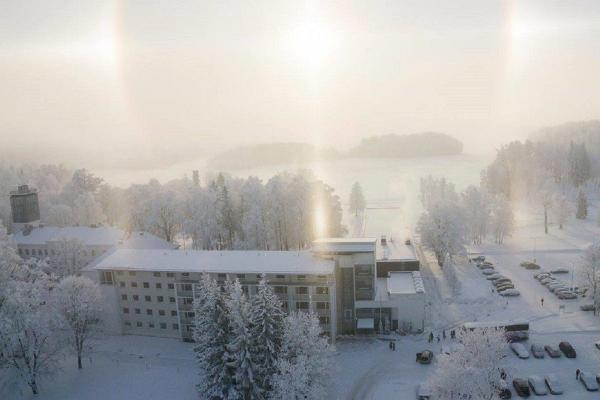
pixel 234 261
pixel 99 236
pixel 395 250
pixel 344 245
pixel 145 240
pixel 404 282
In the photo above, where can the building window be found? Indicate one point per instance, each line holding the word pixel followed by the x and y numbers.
pixel 280 289
pixel 348 315
pixel 20 251
pixel 125 310
pixel 146 285
pixel 138 324
pixel 150 324
pixel 52 252
pixel 302 305
pixel 284 306
pixel 123 297
pixel 106 278
pixel 148 311
pixel 171 286
pixel 161 312
pixel 163 325
pixel 171 299
pixel 45 252
pixel 138 311
pixel 119 272
pixel 322 305
pixel 301 277
pixel 189 314
pixel 185 274
pixel 221 277
pixel 159 285
pixel 133 284
pixel 322 290
pixel 280 276
pixel 131 273
pixel 323 320
pixel 188 300
pixel 175 327
pixel 156 274
pixel 241 276
pixel 136 297
pixel 302 290
pixel 122 284
pixel 170 274
pixel 27 251
pixel 160 299
pixel 127 323
pixel 173 313
pixel 148 298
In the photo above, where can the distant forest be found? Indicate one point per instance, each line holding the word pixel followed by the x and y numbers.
pixel 384 146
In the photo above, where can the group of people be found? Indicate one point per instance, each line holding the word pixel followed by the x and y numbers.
pixel 452 335
pixel 392 345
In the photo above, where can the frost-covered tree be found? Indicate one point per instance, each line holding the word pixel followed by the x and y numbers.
pixel 589 273
pixel 474 372
pixel 560 210
pixel 579 164
pixel 211 334
pixel 582 205
pixel 67 256
pixel 60 215
pixel 87 211
pixel 30 331
pixel 79 301
pixel 305 364
pixel 164 217
pixel 450 276
pixel 442 230
pixel 241 345
pixel 266 321
pixel 357 200
pixel 502 221
pixel 434 190
pixel 476 206
pixel 85 181
pixel 253 214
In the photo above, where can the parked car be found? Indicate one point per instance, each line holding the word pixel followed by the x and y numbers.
pixel 485 267
pixel 504 390
pixel 597 344
pixel 552 351
pixel 510 293
pixel 567 295
pixel 516 336
pixel 589 381
pixel 478 259
pixel 555 286
pixel 537 350
pixel 553 384
pixel 530 265
pixel 586 307
pixel 548 281
pixel 567 349
pixel 424 357
pixel 560 271
pixel 493 277
pixel 537 385
pixel 501 281
pixel 505 286
pixel 423 392
pixel 488 271
pixel 521 387
pixel 520 350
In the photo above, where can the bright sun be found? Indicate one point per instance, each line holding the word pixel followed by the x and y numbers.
pixel 312 43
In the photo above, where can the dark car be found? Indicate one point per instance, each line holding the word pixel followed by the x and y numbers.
pixel 552 351
pixel 567 349
pixel 478 259
pixel 425 357
pixel 521 387
pixel 529 265
pixel 504 390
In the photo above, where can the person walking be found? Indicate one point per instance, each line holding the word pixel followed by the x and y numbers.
pixel 430 337
pixel 438 338
pixel 390 345
pixel 542 301
pixel 444 334
pixel 577 374
pixel 393 346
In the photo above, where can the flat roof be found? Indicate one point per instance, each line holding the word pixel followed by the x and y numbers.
pixel 231 261
pixel 400 283
pixel 344 245
pixel 395 250
pixel 352 240
pixel 100 236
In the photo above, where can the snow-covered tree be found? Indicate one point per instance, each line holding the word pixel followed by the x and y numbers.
pixel 30 331
pixel 582 205
pixel 442 230
pixel 357 200
pixel 579 164
pixel 60 215
pixel 560 209
pixel 253 214
pixel 502 221
pixel 266 329
pixel 474 372
pixel 434 190
pixel 67 256
pixel 305 366
pixel 589 273
pixel 450 276
pixel 477 213
pixel 241 345
pixel 211 334
pixel 87 211
pixel 164 216
pixel 84 181
pixel 79 302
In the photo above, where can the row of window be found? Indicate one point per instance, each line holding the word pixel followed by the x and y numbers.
pixel 220 277
pixel 148 299
pixel 149 311
pixel 301 289
pixel 146 285
pixel 162 325
pixel 45 252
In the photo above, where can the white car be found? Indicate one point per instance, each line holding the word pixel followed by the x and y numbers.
pixel 520 350
pixel 494 277
pixel 485 266
pixel 547 281
pixel 553 384
pixel 423 392
pixel 488 272
pixel 589 381
pixel 536 383
pixel 510 293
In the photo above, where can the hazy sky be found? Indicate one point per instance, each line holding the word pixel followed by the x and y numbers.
pixel 128 83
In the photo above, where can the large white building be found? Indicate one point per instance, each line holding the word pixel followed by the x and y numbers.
pixel 150 292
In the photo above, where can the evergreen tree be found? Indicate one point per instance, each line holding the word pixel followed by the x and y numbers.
pixel 266 331
pixel 226 217
pixel 211 334
pixel 357 199
pixel 241 345
pixel 582 206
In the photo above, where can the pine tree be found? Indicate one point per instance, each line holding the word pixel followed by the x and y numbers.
pixel 266 331
pixel 241 345
pixel 582 206
pixel 211 334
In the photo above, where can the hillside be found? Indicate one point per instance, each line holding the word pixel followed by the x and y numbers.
pixel 587 132
pixel 413 145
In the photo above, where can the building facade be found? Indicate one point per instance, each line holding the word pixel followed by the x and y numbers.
pixel 25 208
